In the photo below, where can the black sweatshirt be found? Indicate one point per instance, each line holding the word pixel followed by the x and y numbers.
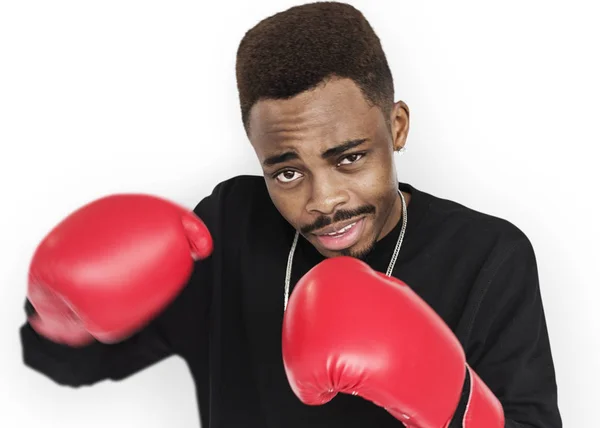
pixel 478 272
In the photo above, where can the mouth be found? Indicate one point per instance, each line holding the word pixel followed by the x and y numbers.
pixel 341 235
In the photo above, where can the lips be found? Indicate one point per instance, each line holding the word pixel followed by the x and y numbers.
pixel 336 228
pixel 341 235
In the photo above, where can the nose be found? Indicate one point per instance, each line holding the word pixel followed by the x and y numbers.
pixel 327 194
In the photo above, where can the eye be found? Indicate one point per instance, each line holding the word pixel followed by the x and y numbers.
pixel 354 157
pixel 288 176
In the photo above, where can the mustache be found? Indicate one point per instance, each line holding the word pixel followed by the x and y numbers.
pixel 340 215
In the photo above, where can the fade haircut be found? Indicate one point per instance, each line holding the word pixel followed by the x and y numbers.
pixel 300 48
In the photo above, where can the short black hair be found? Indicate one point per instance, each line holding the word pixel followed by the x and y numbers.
pixel 298 49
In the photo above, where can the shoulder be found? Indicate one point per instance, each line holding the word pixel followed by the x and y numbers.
pixel 491 254
pixel 233 203
pixel 234 194
pixel 470 242
pixel 236 188
pixel 465 225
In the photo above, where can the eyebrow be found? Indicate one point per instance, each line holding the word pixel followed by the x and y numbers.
pixel 332 152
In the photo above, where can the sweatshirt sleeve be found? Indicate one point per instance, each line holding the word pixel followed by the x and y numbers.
pixel 160 339
pixel 510 348
pixel 92 363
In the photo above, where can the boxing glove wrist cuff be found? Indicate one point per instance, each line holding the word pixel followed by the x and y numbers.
pixel 478 406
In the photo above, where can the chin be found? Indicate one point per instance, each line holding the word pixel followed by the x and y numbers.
pixel 359 253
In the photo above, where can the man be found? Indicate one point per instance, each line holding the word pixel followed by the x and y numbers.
pixel 316 99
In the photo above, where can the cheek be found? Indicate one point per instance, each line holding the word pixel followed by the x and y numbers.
pixel 289 206
pixel 377 181
pixel 378 186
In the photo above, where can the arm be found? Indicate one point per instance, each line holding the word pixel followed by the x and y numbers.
pixel 353 330
pixel 510 348
pixel 160 339
pixel 163 335
pixel 79 366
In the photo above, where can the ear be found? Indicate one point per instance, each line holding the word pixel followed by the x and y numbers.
pixel 400 123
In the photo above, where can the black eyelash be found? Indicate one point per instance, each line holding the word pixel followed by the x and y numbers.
pixel 362 154
pixel 281 171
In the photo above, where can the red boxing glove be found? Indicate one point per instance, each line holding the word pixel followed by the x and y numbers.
pixel 352 330
pixel 111 266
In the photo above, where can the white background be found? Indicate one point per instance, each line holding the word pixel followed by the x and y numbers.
pixel 103 97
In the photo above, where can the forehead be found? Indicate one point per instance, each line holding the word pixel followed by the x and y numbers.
pixel 332 112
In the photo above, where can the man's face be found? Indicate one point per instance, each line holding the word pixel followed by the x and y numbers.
pixel 327 158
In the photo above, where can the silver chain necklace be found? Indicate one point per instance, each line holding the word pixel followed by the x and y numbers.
pixel 288 270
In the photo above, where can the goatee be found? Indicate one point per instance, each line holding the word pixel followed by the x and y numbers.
pixel 359 254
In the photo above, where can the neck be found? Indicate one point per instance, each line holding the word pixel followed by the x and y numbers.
pixel 395 215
